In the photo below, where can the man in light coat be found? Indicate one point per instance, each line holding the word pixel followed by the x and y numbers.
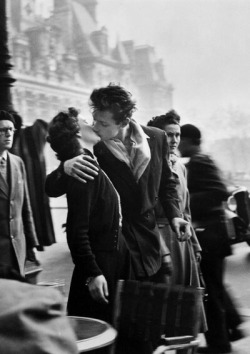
pixel 17 232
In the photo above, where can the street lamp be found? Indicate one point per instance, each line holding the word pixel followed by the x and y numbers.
pixel 6 80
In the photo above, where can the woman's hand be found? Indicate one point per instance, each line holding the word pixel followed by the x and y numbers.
pixel 182 228
pixel 81 167
pixel 98 289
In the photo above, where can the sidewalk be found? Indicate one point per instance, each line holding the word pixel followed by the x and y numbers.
pixel 56 264
pixel 57 267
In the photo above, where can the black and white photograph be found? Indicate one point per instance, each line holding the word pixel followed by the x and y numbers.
pixel 124 176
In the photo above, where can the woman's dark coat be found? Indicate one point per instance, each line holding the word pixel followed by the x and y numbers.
pixel 93 236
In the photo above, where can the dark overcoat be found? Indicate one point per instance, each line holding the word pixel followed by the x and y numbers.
pixel 29 144
pixel 138 200
pixel 94 238
pixel 207 192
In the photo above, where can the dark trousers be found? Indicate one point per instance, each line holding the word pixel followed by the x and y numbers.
pixel 217 334
pixel 233 318
pixel 221 312
pixel 7 255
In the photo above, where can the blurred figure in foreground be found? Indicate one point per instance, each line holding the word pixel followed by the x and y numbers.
pixel 32 318
pixel 207 192
pixel 17 231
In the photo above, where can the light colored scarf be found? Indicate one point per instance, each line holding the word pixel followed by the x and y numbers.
pixel 173 158
pixel 140 155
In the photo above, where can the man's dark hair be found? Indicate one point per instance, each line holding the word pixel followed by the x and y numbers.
pixel 115 99
pixel 63 133
pixel 160 122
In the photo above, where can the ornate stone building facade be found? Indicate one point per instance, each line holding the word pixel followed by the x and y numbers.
pixel 59 59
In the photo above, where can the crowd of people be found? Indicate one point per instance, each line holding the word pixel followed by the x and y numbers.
pixel 135 211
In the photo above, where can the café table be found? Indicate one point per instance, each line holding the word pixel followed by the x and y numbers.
pixel 93 334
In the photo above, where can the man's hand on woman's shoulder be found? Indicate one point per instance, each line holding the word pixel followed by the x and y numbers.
pixel 81 167
pixel 182 228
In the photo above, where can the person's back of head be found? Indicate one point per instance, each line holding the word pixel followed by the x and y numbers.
pixel 190 140
pixel 63 133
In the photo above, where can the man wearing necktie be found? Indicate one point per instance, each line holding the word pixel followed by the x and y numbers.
pixel 17 232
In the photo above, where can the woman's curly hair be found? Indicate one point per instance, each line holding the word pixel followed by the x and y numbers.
pixel 115 99
pixel 160 122
pixel 63 133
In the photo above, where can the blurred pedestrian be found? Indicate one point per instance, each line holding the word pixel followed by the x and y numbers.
pixel 133 156
pixel 207 192
pixel 93 221
pixel 17 232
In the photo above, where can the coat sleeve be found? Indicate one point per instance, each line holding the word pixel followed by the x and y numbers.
pixel 168 192
pixel 55 184
pixel 27 216
pixel 81 198
pixel 206 187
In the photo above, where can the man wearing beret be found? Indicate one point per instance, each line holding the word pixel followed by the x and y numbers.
pixel 17 232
